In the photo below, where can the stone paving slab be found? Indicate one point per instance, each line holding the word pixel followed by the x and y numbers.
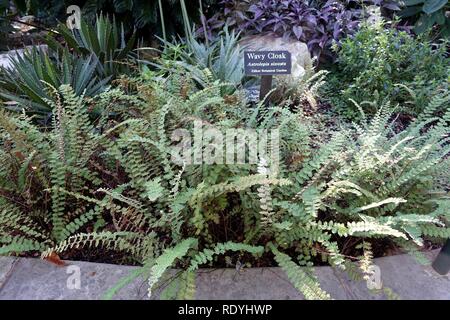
pixel 36 279
pixel 23 278
pixel 6 268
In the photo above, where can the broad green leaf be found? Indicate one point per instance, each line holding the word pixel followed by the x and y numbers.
pixel 409 3
pixel 410 11
pixel 431 6
pixel 424 23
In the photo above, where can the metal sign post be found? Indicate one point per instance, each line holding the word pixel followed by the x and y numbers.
pixel 266 86
pixel 442 263
pixel 267 64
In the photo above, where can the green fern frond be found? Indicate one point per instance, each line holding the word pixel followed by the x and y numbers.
pixel 302 280
pixel 207 255
pixel 167 259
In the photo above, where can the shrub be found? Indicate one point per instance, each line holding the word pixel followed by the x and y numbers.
pixel 377 63
pixel 136 15
pixel 318 24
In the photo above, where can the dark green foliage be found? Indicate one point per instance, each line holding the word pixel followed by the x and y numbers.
pixel 112 184
pixel 381 64
pixel 5 23
pixel 47 12
pixel 144 15
pixel 426 14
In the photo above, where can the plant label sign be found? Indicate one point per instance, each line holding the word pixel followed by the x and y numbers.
pixel 267 63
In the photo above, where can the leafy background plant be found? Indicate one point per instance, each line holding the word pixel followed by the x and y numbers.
pixel 379 65
pixel 5 24
pixel 105 40
pixel 222 57
pixel 427 13
pixel 28 83
pixel 35 164
pixel 317 24
pixel 88 60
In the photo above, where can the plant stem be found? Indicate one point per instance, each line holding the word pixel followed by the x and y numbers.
pixel 163 25
pixel 187 27
pixel 203 19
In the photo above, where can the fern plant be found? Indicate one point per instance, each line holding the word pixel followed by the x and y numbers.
pixel 366 182
pixel 35 165
pixel 348 189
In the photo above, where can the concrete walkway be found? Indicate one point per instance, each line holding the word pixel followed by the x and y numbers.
pixel 22 278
